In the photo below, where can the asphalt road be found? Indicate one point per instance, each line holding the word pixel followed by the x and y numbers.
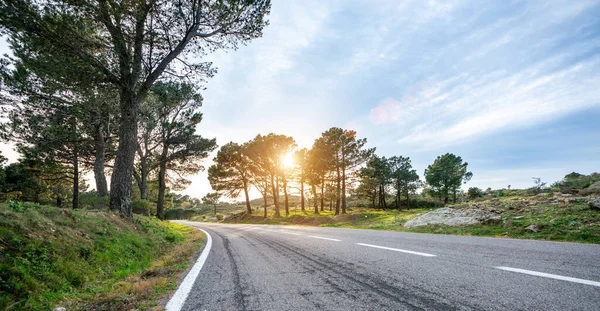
pixel 257 267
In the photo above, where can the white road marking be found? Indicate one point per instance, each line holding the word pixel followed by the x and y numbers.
pixel 178 299
pixel 322 238
pixel 551 276
pixel 293 233
pixel 397 250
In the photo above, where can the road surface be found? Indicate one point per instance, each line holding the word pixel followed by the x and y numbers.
pixel 259 267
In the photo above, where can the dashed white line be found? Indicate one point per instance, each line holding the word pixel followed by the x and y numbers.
pixel 292 233
pixel 397 250
pixel 322 238
pixel 178 299
pixel 551 276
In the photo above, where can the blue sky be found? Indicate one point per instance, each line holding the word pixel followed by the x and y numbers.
pixel 511 86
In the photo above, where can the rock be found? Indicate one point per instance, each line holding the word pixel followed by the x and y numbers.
pixel 593 189
pixel 451 217
pixel 507 223
pixel 594 204
pixel 533 228
pixel 543 195
pixel 519 217
pixel 59 309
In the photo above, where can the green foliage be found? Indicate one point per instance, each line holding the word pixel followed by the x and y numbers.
pixel 446 175
pixel 143 207
pixel 91 200
pixel 474 193
pixel 20 207
pixel 232 170
pixel 51 254
pixel 219 216
pixel 179 213
pixel 538 187
pixel 574 181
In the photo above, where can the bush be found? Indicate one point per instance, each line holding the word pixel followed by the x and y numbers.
pixel 143 207
pixel 21 206
pixel 90 200
pixel 574 181
pixel 474 192
pixel 179 213
pixel 219 216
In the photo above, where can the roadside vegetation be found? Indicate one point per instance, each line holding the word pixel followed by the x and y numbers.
pixel 563 211
pixel 89 260
pixel 571 222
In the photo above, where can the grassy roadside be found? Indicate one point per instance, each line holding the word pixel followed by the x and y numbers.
pixel 572 222
pixel 85 260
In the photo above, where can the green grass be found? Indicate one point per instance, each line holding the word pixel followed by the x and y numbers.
pixel 573 222
pixel 51 256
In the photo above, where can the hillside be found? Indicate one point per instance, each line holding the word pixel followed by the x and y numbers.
pixel 88 260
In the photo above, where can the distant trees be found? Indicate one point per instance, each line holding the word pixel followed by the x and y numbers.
pixel 348 153
pixel 446 175
pixel 381 173
pixel 231 172
pixel 300 159
pixel 574 182
pixel 475 192
pixel 266 154
pixel 404 178
pixel 212 198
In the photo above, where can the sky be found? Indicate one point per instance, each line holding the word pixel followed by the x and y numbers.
pixel 513 87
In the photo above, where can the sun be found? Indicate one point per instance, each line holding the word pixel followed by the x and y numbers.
pixel 288 160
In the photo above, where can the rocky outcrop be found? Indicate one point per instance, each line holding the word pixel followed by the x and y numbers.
pixel 594 204
pixel 453 217
pixel 592 189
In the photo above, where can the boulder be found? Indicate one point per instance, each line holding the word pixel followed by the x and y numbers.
pixel 594 204
pixel 533 228
pixel 451 217
pixel 592 189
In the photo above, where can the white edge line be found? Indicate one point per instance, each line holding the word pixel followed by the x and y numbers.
pixel 176 302
pixel 398 250
pixel 322 238
pixel 551 276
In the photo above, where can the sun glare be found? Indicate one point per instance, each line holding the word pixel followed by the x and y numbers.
pixel 288 160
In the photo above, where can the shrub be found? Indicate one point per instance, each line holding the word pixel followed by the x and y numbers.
pixel 143 207
pixel 474 192
pixel 219 216
pixel 179 213
pixel 90 200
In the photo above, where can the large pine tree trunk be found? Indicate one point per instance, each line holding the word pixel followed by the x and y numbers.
pixel 398 196
pixel 162 185
pixel 337 187
pixel 100 154
pixel 315 204
pixel 373 198
pixel 285 197
pixel 302 195
pixel 265 203
pixel 343 194
pixel 275 196
pixel 75 178
pixel 323 194
pixel 144 182
pixel 248 207
pixel 120 183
